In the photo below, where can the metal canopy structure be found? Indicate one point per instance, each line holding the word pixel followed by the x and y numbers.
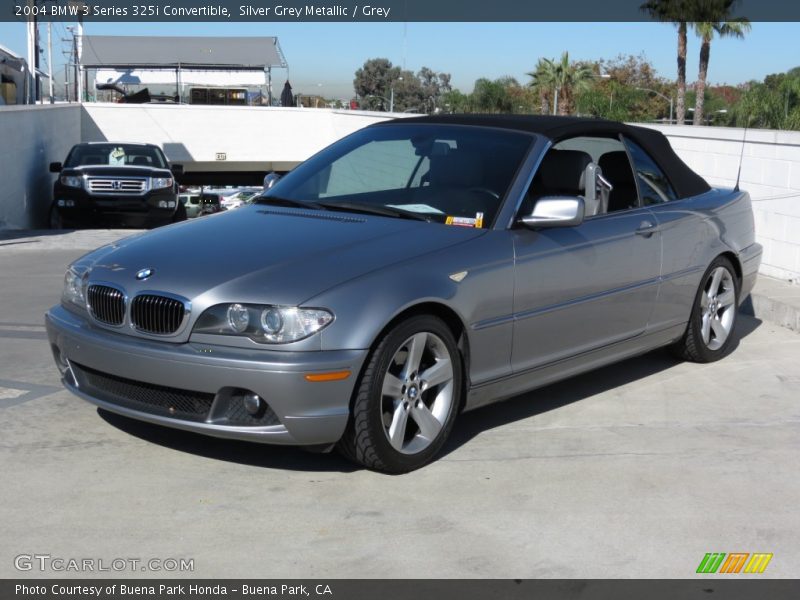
pixel 213 53
pixel 215 61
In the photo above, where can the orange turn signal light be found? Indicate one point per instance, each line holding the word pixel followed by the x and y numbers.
pixel 332 376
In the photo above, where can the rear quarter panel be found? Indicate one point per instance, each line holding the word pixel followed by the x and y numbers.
pixel 694 231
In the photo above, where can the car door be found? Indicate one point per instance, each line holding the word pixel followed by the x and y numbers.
pixel 685 231
pixel 580 288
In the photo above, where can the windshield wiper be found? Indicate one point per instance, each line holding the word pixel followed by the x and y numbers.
pixel 375 209
pixel 288 202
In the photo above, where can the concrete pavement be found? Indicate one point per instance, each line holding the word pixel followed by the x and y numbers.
pixel 636 470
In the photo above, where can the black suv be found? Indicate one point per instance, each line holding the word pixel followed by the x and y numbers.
pixel 109 183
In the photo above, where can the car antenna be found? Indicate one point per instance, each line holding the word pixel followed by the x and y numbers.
pixel 741 154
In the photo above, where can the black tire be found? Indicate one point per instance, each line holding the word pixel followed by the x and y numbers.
pixel 365 440
pixel 54 218
pixel 692 345
pixel 180 214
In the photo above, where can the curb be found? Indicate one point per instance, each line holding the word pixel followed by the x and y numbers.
pixel 775 301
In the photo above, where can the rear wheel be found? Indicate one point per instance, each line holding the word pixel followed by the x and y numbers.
pixel 709 334
pixel 407 398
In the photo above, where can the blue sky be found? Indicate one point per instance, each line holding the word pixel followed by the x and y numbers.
pixel 324 56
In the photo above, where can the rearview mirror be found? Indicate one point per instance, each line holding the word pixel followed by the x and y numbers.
pixel 555 211
pixel 55 167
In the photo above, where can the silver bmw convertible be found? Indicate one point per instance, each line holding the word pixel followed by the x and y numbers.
pixel 410 271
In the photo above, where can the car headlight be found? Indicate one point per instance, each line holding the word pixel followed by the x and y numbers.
pixel 74 288
pixel 71 181
pixel 263 323
pixel 161 182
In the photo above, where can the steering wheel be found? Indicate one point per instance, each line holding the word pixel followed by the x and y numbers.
pixel 484 190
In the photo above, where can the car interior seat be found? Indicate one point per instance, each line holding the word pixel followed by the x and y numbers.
pixel 561 173
pixel 141 161
pixel 617 169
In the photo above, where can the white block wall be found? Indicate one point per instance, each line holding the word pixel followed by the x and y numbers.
pixel 770 172
pixel 31 137
pixel 253 137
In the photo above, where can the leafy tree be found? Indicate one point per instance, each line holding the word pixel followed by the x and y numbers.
pixel 378 80
pixel 492 96
pixel 433 85
pixel 455 101
pixel 373 82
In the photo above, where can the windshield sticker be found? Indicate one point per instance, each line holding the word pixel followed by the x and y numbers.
pixel 476 222
pixel 418 208
pixel 117 157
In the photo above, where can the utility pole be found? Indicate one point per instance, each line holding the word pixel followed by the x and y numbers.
pixel 33 54
pixel 76 89
pixel 78 57
pixel 50 59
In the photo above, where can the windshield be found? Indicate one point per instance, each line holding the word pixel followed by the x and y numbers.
pixel 116 155
pixel 449 174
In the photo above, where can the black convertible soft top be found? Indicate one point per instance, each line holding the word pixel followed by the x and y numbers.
pixel 685 181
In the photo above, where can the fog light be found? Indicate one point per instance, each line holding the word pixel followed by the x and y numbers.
pixel 162 204
pixel 70 203
pixel 253 404
pixel 170 204
pixel 61 203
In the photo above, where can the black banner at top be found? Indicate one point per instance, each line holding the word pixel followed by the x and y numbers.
pixel 144 11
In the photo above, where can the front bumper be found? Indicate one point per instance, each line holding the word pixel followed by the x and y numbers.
pixel 81 208
pixel 305 413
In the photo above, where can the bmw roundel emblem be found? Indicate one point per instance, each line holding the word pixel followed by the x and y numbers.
pixel 144 274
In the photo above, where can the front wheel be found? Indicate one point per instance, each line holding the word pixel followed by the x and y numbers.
pixel 407 398
pixel 54 219
pixel 709 334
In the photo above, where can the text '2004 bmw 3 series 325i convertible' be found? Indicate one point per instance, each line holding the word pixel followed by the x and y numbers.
pixel 415 269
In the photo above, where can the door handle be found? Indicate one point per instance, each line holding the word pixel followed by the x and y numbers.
pixel 646 228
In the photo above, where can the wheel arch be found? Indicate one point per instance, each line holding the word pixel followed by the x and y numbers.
pixel 450 318
pixel 737 264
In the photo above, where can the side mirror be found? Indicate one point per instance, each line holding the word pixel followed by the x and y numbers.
pixel 55 167
pixel 270 179
pixel 177 170
pixel 555 211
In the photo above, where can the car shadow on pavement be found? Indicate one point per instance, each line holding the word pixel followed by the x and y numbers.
pixel 575 389
pixel 467 425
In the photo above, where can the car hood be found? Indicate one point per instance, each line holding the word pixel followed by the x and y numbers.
pixel 266 254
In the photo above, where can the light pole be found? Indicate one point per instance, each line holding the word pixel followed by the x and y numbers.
pixel 668 98
pixel 391 95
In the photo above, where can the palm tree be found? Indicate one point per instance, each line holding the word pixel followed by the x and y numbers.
pixel 674 11
pixel 564 77
pixel 543 80
pixel 723 27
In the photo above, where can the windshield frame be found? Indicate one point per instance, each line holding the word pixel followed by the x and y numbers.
pixel 328 155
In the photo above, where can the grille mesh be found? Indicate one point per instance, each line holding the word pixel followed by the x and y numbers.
pixel 107 304
pixel 117 186
pixel 157 314
pixel 146 397
pixel 238 415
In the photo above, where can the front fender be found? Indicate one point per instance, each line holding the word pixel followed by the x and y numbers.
pixel 482 300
